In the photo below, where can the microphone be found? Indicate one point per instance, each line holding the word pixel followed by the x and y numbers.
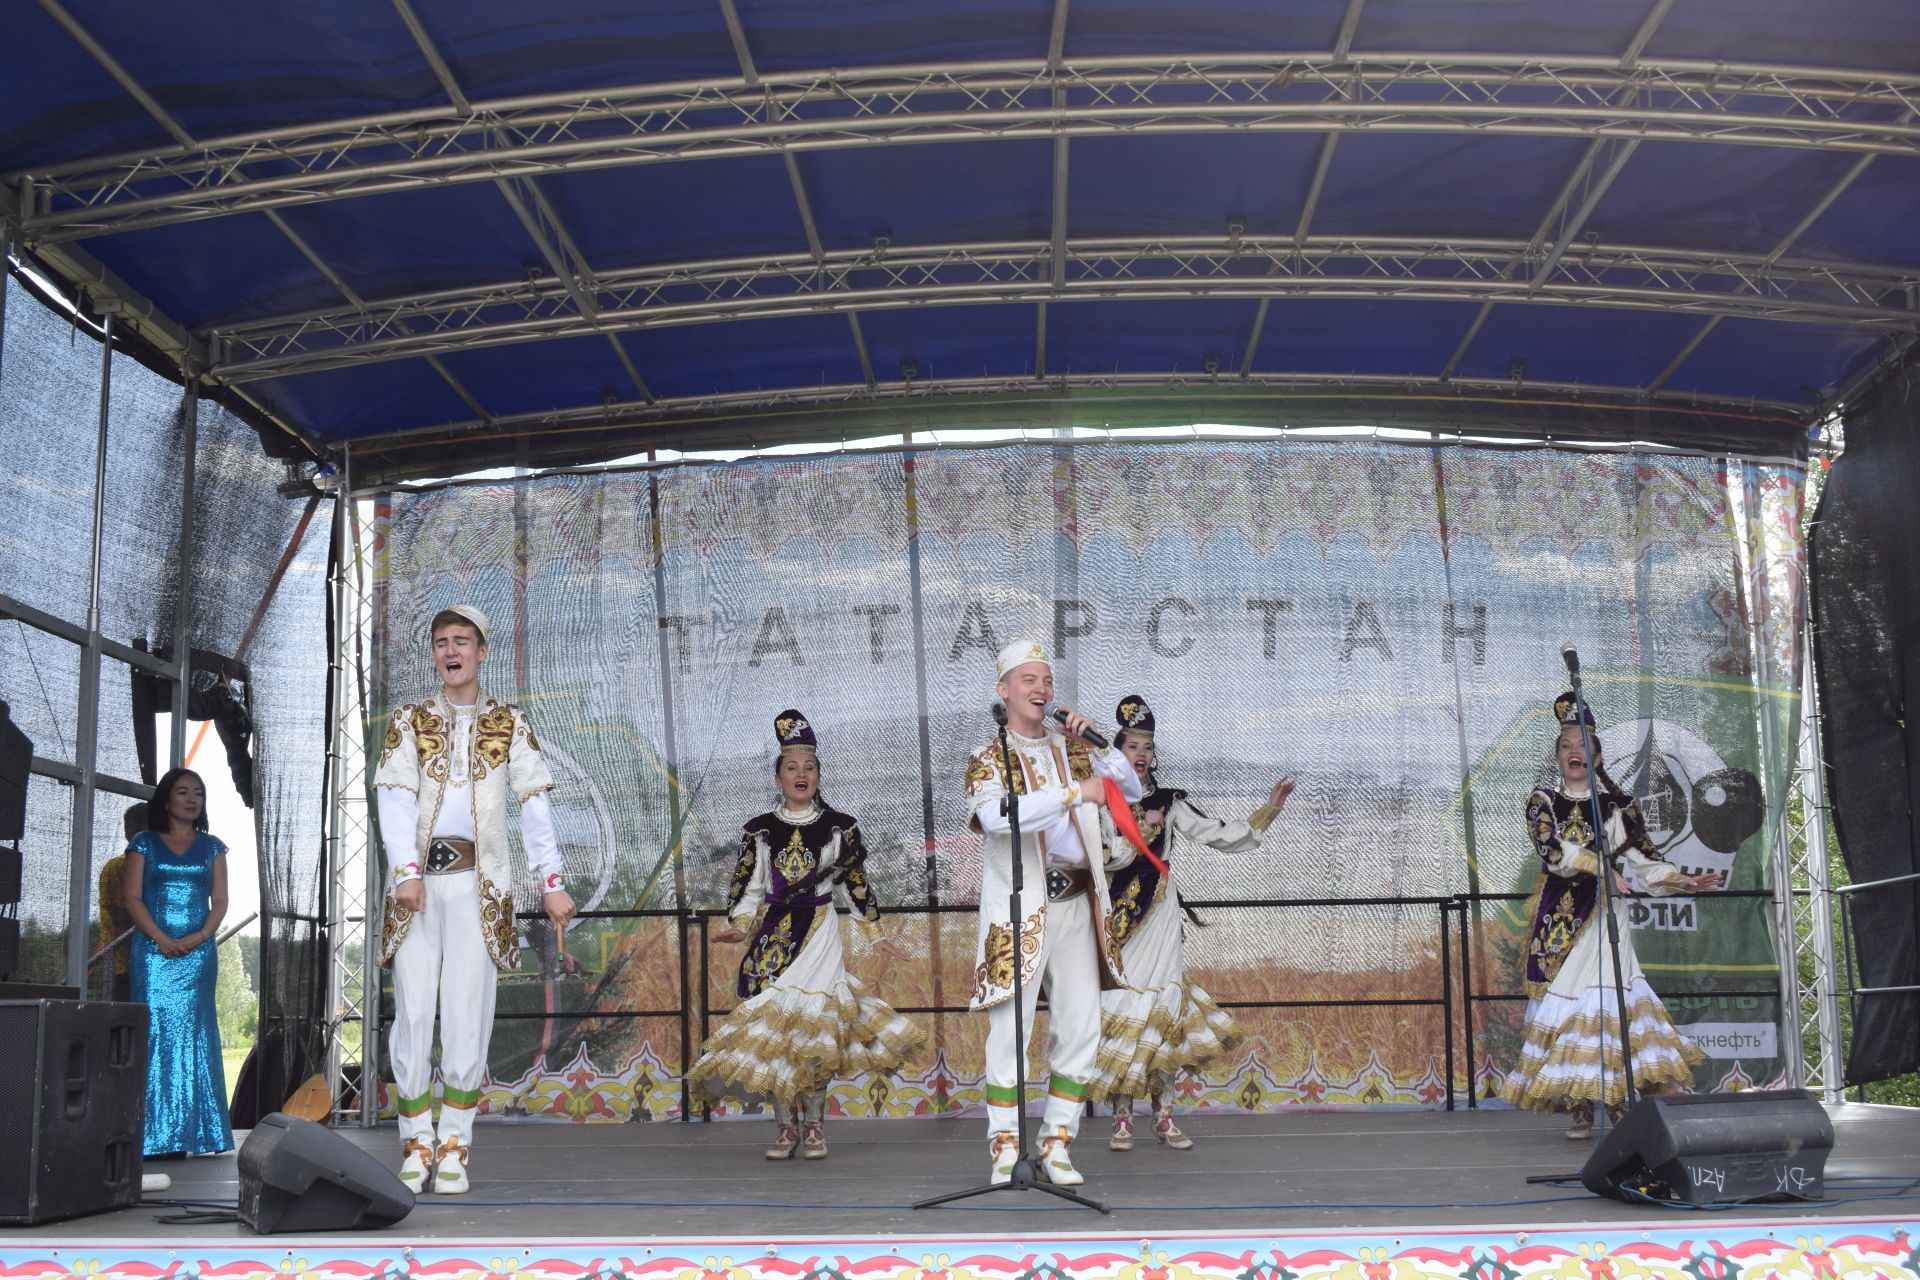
pixel 1093 739
pixel 1572 657
pixel 1000 714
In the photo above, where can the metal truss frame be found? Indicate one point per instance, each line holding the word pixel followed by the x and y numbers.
pixel 1854 111
pixel 1381 267
pixel 915 396
pixel 1813 960
pixel 354 883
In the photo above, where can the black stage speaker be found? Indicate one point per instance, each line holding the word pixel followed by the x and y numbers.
pixel 1716 1148
pixel 16 765
pixel 72 1107
pixel 297 1176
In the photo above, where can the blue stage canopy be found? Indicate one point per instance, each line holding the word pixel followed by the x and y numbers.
pixel 423 226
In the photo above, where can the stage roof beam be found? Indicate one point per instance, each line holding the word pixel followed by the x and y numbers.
pixel 1311 203
pixel 1056 51
pixel 529 204
pixel 1349 23
pixel 1644 33
pixel 1800 228
pixel 1636 276
pixel 743 53
pixel 175 130
pixel 1557 212
pixel 1478 94
pixel 1476 408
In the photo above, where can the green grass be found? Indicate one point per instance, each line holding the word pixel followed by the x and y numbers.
pixel 233 1056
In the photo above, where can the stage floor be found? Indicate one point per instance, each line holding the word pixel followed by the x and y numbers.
pixel 1299 1173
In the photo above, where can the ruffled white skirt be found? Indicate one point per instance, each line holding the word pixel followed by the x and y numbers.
pixel 1164 1024
pixel 1572 1048
pixel 813 1024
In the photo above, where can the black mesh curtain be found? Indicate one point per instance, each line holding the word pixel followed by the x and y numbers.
pixel 49 398
pixel 1866 584
pixel 243 533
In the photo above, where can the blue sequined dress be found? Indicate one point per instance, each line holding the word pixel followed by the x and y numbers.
pixel 186 1079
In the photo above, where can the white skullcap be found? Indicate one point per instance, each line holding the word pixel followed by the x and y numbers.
pixel 472 614
pixel 1018 654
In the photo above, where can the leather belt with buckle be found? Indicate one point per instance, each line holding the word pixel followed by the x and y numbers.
pixel 444 856
pixel 1065 883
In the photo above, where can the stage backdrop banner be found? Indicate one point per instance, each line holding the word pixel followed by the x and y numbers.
pixel 1382 623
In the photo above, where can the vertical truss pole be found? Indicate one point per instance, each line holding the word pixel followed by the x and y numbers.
pixel 1818 1013
pixel 86 735
pixel 376 699
pixel 1772 751
pixel 375 914
pixel 1786 945
pixel 352 982
pixel 338 888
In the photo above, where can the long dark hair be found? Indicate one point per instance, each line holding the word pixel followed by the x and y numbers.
pixel 158 819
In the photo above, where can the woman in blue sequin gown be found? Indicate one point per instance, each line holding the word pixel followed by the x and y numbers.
pixel 176 894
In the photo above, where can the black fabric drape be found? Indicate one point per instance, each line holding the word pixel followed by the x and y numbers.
pixel 1865 552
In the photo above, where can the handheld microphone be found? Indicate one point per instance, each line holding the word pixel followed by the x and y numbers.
pixel 1093 739
pixel 1000 714
pixel 1572 658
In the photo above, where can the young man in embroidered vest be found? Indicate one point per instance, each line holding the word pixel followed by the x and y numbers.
pixel 1057 783
pixel 446 768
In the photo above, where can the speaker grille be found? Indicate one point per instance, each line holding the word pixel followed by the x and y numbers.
pixel 19 1104
pixel 72 1123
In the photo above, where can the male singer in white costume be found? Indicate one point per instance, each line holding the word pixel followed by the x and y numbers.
pixel 1057 779
pixel 446 767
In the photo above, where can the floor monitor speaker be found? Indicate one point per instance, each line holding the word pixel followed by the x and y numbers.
pixel 298 1176
pixel 1716 1148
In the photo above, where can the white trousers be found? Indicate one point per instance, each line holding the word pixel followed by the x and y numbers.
pixel 443 967
pixel 1069 969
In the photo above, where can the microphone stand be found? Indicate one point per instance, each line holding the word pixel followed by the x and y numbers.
pixel 1604 902
pixel 1025 1175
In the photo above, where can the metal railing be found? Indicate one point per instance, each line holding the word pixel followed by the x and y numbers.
pixel 1457 999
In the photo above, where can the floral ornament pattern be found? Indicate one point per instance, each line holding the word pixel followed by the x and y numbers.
pixel 429 736
pixel 497 926
pixel 1554 940
pixel 987 768
pixel 743 870
pixel 795 860
pixel 769 956
pixel 995 970
pixel 1829 1249
pixel 492 740
pixel 1079 760
pixel 391 743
